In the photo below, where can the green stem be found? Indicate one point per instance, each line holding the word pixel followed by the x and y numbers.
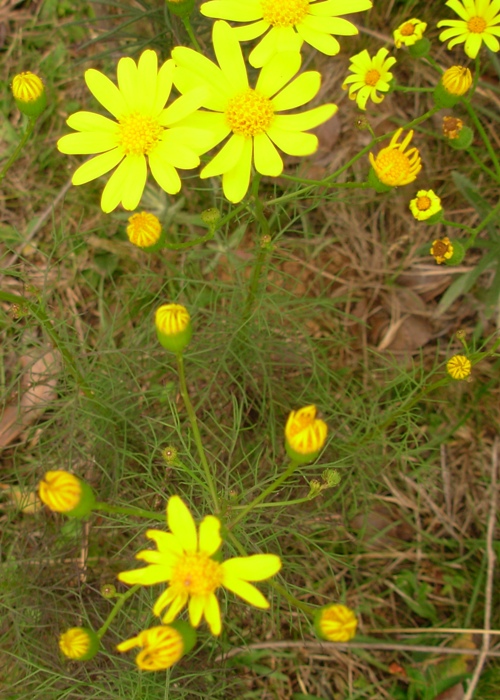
pixel 483 134
pixel 484 167
pixel 39 313
pixel 189 29
pixel 116 609
pixel 307 609
pixel 467 229
pixel 196 432
pixel 129 510
pixel 29 130
pixel 403 88
pixel 264 494
pixel 277 504
pixel 492 214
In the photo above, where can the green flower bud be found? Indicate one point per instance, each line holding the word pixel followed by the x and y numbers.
pixel 173 327
pixel 457 255
pixel 181 8
pixel 79 643
pixel 29 94
pixel 420 48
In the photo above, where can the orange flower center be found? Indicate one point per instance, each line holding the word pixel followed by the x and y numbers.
pixel 393 166
pixel 284 13
pixel 407 29
pixel 139 134
pixel 196 574
pixel 441 248
pixel 423 203
pixel 372 77
pixel 249 113
pixel 476 25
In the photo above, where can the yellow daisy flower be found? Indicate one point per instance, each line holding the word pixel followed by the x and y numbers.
pixel 479 22
pixel 425 205
pixel 250 115
pixel 144 131
pixel 459 367
pixel 287 23
pixel 184 560
pixel 409 32
pixel 394 165
pixel 161 646
pixel 370 75
pixel 305 434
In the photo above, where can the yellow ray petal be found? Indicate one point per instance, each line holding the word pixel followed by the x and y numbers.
pixel 267 160
pixel 226 158
pixel 85 143
pixel 307 120
pixel 105 92
pixel 246 591
pixel 196 608
pixel 212 614
pixel 210 539
pixel 89 121
pixel 298 92
pixel 147 576
pixel 229 56
pixel 181 523
pixel 235 182
pixel 325 43
pixel 293 143
pixel 278 72
pixel 256 567
pixel 95 167
pixel 234 11
pixel 164 173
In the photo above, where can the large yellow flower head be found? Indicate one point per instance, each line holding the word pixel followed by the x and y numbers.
pixel 480 20
pixel 184 559
pixel 287 23
pixel 144 132
pixel 369 76
pixel 251 116
pixel 409 32
pixel 394 165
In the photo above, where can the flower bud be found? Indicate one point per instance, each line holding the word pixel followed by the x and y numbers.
pixel 456 80
pixel 420 48
pixel 464 139
pixel 315 488
pixel 331 477
pixel 108 591
pixel 211 218
pixel 459 367
pixel 162 646
pixel 181 8
pixel 144 230
pixel 173 327
pixel 169 455
pixel 336 623
pixel 79 643
pixel 29 94
pixel 63 492
pixel 305 435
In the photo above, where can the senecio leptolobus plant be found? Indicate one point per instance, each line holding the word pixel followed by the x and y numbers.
pixel 241 127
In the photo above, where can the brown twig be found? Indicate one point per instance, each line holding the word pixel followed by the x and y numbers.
pixel 490 554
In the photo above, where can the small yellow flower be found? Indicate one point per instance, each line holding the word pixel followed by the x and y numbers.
pixel 79 643
pixel 184 559
pixel 305 434
pixel 29 93
pixel 457 80
pixel 162 646
pixel 425 205
pixel 144 229
pixel 394 165
pixel 370 75
pixel 479 20
pixel 336 623
pixel 459 367
pixel 286 24
pixel 441 250
pixel 409 32
pixel 452 126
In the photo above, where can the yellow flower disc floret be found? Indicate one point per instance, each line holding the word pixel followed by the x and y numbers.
pixel 284 13
pixel 459 367
pixel 394 165
pixel 144 229
pixel 195 574
pixel 249 113
pixel 139 134
pixel 172 319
